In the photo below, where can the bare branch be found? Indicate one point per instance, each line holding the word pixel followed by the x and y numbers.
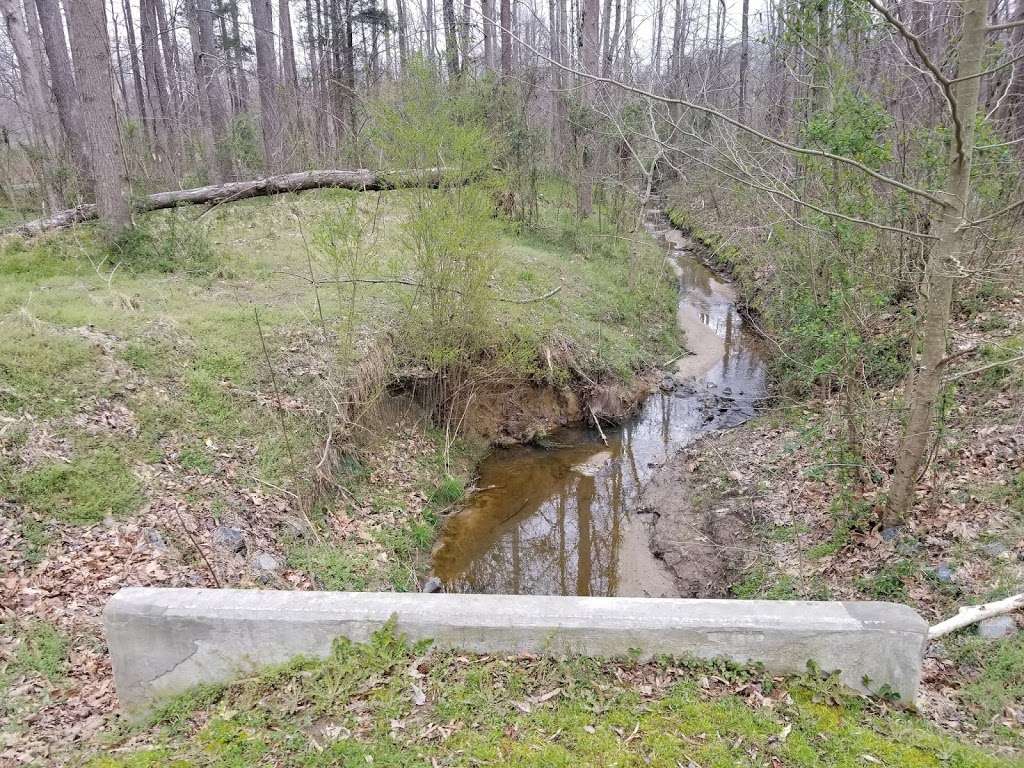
pixel 944 83
pixel 712 112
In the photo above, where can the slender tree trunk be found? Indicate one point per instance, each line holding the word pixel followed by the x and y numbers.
pixel 451 39
pixel 744 59
pixel 487 11
pixel 35 93
pixel 403 35
pixel 430 21
pixel 555 52
pixel 464 33
pixel 627 44
pixel 613 43
pixel 659 26
pixel 65 91
pixel 506 38
pixel 155 83
pixel 935 306
pixel 239 58
pixel 87 25
pixel 606 27
pixel 169 46
pixel 289 72
pixel 589 57
pixel 266 77
pixel 211 92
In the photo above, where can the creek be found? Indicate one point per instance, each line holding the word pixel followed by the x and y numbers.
pixel 564 519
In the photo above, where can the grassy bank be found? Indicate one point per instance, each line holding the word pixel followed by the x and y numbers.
pixel 180 410
pixel 811 473
pixel 386 704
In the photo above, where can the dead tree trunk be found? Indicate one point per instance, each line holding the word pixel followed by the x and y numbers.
pixel 359 180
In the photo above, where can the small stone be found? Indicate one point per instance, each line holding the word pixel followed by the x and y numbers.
pixel 997 627
pixel 936 651
pixel 943 573
pixel 433 584
pixel 890 534
pixel 995 549
pixel 152 539
pixel 228 538
pixel 264 562
pixel 668 383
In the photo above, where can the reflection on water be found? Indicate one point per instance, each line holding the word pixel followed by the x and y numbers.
pixel 563 521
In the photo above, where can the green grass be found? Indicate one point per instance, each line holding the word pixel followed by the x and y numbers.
pixel 384 703
pixel 997 680
pixel 83 491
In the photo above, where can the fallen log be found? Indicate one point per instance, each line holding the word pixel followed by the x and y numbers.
pixel 972 614
pixel 362 180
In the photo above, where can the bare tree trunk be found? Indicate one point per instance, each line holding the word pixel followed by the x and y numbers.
pixel 212 98
pixel 613 43
pixel 266 71
pixel 451 39
pixel 744 59
pixel 627 44
pixel 403 35
pixel 133 57
pixel 87 26
pixel 464 33
pixel 487 11
pixel 239 57
pixel 506 38
pixel 431 24
pixel 289 72
pixel 35 93
pixel 169 46
pixel 155 84
pixel 659 27
pixel 943 265
pixel 555 52
pixel 589 58
pixel 65 91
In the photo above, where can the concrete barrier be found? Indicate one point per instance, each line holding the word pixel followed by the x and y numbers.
pixel 163 641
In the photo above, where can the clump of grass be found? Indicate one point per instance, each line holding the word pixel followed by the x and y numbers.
pixel 168 243
pixel 42 372
pixel 997 669
pixel 83 492
pixel 449 491
pixel 332 566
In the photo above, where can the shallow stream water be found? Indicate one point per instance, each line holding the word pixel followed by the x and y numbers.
pixel 564 520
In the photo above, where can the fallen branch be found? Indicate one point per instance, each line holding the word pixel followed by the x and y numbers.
pixel 407 281
pixel 972 614
pixel 361 180
pixel 597 423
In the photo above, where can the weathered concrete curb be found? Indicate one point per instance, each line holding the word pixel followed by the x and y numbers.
pixel 163 641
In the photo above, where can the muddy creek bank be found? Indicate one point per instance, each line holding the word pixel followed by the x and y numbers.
pixel 572 518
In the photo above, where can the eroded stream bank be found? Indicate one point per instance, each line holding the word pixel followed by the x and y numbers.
pixel 574 518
